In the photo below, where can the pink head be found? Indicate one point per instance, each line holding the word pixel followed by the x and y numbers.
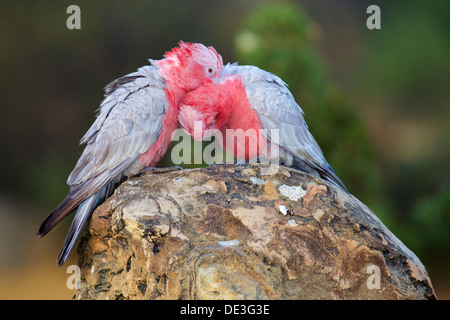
pixel 190 65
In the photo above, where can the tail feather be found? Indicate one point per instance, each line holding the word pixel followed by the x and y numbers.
pixel 72 201
pixel 83 213
pixel 86 197
pixel 325 172
pixel 333 178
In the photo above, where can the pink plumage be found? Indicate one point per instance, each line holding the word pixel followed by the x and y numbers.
pixel 247 99
pixel 132 130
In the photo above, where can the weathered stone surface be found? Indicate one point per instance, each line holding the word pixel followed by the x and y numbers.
pixel 228 232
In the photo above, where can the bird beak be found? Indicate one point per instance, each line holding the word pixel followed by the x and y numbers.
pixel 197 132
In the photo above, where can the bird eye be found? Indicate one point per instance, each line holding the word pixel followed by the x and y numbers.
pixel 209 71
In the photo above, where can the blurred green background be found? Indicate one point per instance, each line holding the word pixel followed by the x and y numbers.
pixel 377 101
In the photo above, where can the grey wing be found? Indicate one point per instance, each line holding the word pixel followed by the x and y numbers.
pixel 277 109
pixel 129 122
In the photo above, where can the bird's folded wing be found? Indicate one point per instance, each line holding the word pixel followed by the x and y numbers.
pixel 277 109
pixel 128 123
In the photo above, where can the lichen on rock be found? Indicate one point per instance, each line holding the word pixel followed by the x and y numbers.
pixel 213 233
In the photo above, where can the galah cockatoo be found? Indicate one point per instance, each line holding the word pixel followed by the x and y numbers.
pixel 248 98
pixel 132 130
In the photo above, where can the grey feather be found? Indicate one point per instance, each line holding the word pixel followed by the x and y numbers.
pixel 277 109
pixel 123 129
pixel 128 123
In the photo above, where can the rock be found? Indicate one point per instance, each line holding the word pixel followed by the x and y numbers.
pixel 228 232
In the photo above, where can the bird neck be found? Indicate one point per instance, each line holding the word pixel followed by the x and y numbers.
pixel 239 113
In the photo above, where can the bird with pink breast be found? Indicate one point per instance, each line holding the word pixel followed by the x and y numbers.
pixel 249 108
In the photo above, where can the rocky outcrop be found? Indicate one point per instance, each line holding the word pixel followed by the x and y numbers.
pixel 228 232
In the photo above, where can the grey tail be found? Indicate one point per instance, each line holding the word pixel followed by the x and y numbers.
pixel 84 212
pixel 77 194
pixel 325 172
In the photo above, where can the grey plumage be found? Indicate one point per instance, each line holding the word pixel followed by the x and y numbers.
pixel 128 123
pixel 277 109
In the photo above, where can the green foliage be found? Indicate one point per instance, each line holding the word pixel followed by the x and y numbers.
pixel 431 216
pixel 279 38
pixel 408 59
pixel 404 74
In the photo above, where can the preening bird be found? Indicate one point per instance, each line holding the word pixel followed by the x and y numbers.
pixel 132 131
pixel 248 98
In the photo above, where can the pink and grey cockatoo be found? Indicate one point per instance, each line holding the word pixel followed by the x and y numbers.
pixel 132 130
pixel 248 98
